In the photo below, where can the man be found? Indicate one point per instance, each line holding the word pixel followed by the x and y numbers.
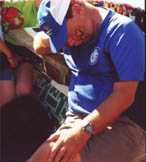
pixel 16 74
pixel 105 52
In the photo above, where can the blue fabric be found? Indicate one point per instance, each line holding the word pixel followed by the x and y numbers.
pixel 6 73
pixel 110 57
pixel 48 23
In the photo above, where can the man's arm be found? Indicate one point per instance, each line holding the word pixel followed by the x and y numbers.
pixel 59 143
pixel 4 49
pixel 120 99
pixel 41 44
pixel 7 52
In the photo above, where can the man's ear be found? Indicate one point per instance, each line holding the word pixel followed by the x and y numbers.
pixel 37 3
pixel 77 9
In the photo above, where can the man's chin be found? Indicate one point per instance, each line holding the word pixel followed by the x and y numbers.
pixel 67 45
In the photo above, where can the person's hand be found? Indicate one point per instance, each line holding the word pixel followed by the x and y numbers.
pixel 41 43
pixel 12 61
pixel 67 143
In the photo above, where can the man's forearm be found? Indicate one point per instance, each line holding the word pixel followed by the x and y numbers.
pixel 5 49
pixel 119 100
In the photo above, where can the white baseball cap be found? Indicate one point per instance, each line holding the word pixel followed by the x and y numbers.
pixel 52 18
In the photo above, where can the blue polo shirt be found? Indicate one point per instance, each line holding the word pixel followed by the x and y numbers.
pixel 115 54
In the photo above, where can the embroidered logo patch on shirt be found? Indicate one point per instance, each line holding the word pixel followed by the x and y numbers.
pixel 94 56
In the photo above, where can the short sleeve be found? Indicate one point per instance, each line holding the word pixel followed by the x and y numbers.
pixel 1 33
pixel 126 48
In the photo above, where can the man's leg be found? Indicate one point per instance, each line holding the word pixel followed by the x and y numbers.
pixel 124 142
pixel 7 91
pixel 41 154
pixel 7 83
pixel 24 79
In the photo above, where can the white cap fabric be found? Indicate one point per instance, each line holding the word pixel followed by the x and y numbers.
pixel 59 9
pixel 52 18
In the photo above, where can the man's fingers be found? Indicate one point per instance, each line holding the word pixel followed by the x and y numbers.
pixel 67 158
pixel 53 137
pixel 41 43
pixel 60 154
pixel 13 63
pixel 56 147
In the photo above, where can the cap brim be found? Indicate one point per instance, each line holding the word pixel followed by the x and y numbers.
pixel 59 38
pixel 52 18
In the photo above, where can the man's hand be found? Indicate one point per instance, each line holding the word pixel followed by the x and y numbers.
pixel 62 146
pixel 11 57
pixel 67 143
pixel 41 43
pixel 12 61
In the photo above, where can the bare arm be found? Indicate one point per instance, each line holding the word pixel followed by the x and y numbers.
pixel 5 49
pixel 121 98
pixel 10 56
